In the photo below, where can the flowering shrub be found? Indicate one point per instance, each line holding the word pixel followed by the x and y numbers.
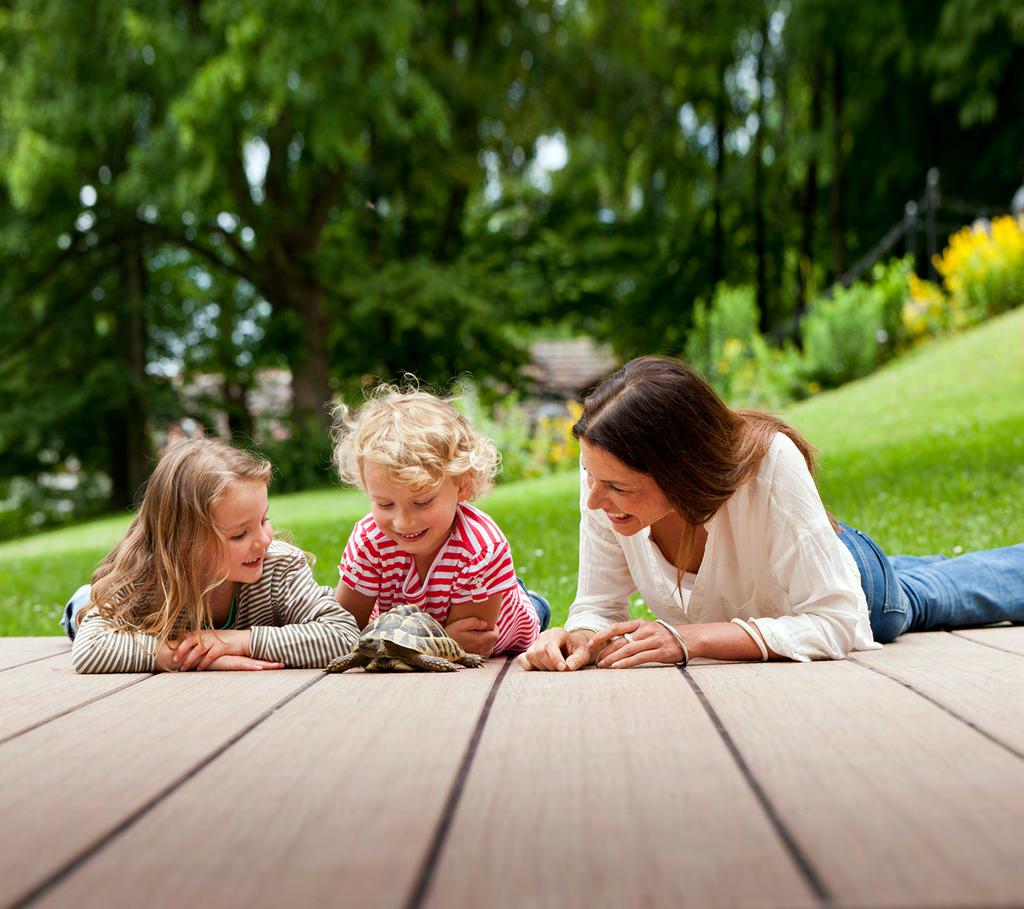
pixel 982 268
pixel 928 311
pixel 528 448
pixel 725 346
pixel 553 446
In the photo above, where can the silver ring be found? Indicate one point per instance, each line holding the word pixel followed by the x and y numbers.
pixel 628 637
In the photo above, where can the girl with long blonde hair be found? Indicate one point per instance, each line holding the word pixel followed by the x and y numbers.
pixel 198 582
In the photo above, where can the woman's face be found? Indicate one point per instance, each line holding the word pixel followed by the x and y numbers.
pixel 631 500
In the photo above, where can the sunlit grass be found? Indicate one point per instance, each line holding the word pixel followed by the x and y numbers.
pixel 925 456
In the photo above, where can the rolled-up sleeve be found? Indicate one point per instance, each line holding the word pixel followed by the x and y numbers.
pixel 605 582
pixel 314 628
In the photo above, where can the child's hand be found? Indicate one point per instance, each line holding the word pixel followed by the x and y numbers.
pixel 474 635
pixel 198 650
pixel 231 662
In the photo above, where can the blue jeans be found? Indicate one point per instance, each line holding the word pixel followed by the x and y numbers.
pixel 923 593
pixel 69 618
pixel 541 605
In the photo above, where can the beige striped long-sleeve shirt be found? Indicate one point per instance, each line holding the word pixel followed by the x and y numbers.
pixel 293 620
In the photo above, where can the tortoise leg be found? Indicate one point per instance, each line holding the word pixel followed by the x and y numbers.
pixel 472 660
pixel 340 664
pixel 430 663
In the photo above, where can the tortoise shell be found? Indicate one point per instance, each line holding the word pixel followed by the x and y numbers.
pixel 402 639
pixel 407 626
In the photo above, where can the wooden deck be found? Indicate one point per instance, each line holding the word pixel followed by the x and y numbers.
pixel 893 779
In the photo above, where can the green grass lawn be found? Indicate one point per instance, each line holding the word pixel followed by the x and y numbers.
pixel 926 455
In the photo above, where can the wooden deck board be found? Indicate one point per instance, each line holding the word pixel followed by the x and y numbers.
pixel 600 788
pixel 339 794
pixel 37 691
pixel 67 784
pixel 982 684
pixel 17 651
pixel 895 801
pixel 1003 637
pixel 893 779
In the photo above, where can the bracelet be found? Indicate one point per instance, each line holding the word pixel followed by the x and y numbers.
pixel 679 641
pixel 757 638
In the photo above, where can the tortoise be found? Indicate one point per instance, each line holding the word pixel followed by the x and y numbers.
pixel 404 639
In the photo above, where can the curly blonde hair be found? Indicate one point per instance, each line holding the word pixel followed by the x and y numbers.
pixel 419 438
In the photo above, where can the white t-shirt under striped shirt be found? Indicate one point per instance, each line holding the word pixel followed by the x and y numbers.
pixel 473 565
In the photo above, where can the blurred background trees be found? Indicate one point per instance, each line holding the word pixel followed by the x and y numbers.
pixel 345 192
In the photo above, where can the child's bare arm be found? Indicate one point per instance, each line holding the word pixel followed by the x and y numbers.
pixel 358 604
pixel 487 610
pixel 475 625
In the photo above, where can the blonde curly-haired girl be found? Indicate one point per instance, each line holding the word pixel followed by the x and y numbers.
pixel 199 582
pixel 421 463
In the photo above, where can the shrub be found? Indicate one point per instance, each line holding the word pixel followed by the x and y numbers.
pixel 982 268
pixel 844 336
pixel 889 283
pixel 720 337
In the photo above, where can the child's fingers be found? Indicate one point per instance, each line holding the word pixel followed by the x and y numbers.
pixel 232 662
pixel 182 650
pixel 218 650
pixel 202 645
pixel 191 660
pixel 480 642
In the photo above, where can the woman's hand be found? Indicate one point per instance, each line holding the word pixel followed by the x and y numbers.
pixel 198 650
pixel 633 643
pixel 557 649
pixel 474 635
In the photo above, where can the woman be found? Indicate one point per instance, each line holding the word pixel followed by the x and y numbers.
pixel 712 514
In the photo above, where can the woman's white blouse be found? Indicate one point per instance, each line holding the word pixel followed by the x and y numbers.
pixel 771 557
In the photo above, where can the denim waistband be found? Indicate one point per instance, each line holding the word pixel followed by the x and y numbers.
pixel 887 605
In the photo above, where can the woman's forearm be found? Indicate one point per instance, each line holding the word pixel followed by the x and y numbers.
pixel 723 641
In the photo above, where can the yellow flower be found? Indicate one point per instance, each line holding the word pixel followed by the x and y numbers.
pixel 732 348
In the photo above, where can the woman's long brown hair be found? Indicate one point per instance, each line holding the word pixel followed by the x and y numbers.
pixel 661 418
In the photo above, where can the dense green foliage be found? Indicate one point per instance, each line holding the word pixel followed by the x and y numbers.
pixel 925 455
pixel 353 190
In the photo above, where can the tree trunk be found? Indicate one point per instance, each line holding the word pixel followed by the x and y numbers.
pixel 718 232
pixel 311 388
pixel 760 250
pixel 838 218
pixel 129 462
pixel 233 384
pixel 809 199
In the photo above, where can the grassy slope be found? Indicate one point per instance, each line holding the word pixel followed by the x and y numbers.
pixel 926 456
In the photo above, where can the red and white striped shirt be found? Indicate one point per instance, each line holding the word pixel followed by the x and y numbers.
pixel 473 565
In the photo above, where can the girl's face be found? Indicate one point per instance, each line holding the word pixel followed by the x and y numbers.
pixel 631 500
pixel 241 516
pixel 417 519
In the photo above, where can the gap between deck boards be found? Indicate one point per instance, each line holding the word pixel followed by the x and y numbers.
pixel 55 877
